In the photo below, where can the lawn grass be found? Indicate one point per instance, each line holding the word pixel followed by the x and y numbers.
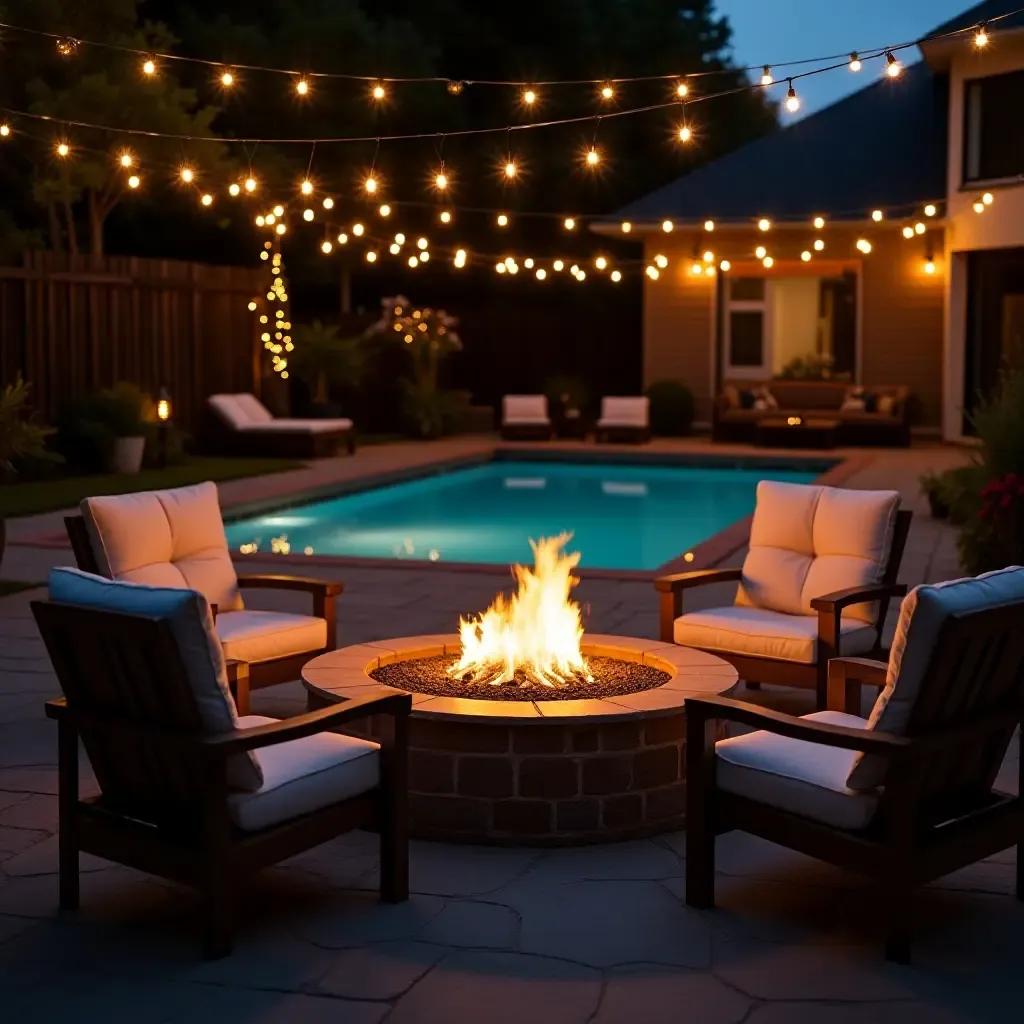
pixel 33 496
pixel 8 587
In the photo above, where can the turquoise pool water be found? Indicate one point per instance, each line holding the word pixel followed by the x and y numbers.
pixel 621 516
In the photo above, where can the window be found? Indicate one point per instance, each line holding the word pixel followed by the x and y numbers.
pixel 745 319
pixel 993 149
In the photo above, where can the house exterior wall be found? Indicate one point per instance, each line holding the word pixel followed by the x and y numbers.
pixel 900 309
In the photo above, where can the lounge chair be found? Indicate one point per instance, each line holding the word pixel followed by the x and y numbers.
pixel 242 425
pixel 525 418
pixel 903 797
pixel 188 789
pixel 625 419
pixel 816 584
pixel 175 538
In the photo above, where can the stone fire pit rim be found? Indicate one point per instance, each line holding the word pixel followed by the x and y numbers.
pixel 344 674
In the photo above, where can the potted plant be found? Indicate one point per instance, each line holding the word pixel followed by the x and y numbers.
pixel 671 408
pixel 125 410
pixel 325 359
pixel 21 437
pixel 933 489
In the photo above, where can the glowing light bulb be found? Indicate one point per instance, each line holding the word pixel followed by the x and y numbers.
pixel 379 92
pixel 661 260
pixel 929 266
pixel 455 88
pixel 502 220
pixel 792 101
pixel 528 263
pixel 307 215
pixel 500 268
pixel 357 229
pixel 187 175
pixel 682 89
pixel 421 243
pixel 685 133
pixel 760 252
pixel 819 222
pixel 981 37
pixel 510 169
pixel 819 245
pixel 5 130
pixel 652 273
pixel 768 262
pixel 371 257
pixel 919 228
pixel 127 160
pixel 892 65
pixel 626 227
pixel 342 238
pixel 250 184
pixel 593 158
pixel 864 245
pixel 261 220
pixel 227 79
pixel 307 187
pixel 541 274
pixel 766 77
pixel 855 64
pixel 281 229
pixel 581 276
pixel 445 217
pixel 725 266
pixel 696 268
pixel 394 248
pixel 667 226
pixel 569 223
pixel 460 257
pixel 908 232
pixel 979 207
pixel 370 184
pixel 709 225
pixel 529 97
pixel 441 180
pixel 600 263
pixel 207 200
pixel 877 215
pixel 278 211
pixel 764 224
pixel 326 246
pixel 806 255
pixel 302 87
pixel 252 307
pixel 63 149
pixel 149 68
pixel 988 199
pixel 607 91
pixel 384 210
pixel 616 276
pixel 709 256
pixel 413 262
pixel 929 210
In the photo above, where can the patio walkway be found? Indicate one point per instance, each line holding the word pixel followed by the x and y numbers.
pixel 598 934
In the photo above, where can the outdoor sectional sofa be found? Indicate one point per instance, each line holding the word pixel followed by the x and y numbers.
pixel 242 425
pixel 884 420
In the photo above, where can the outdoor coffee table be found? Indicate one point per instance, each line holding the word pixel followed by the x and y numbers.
pixel 536 771
pixel 795 432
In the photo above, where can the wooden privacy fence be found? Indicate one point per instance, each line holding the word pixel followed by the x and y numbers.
pixel 72 324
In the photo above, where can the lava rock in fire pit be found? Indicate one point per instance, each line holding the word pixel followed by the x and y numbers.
pixel 611 678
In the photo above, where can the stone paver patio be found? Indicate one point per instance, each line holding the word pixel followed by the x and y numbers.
pixel 598 934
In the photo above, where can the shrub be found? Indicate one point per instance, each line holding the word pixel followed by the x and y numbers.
pixel 90 425
pixel 671 408
pixel 564 392
pixel 22 437
pixel 812 366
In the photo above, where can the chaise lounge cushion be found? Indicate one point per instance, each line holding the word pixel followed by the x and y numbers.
pixel 172 538
pixel 191 623
pixel 808 779
pixel 633 412
pixel 255 636
pixel 525 410
pixel 808 541
pixel 923 614
pixel 765 634
pixel 246 413
pixel 304 775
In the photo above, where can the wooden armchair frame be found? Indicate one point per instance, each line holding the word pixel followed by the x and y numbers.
pixel 163 807
pixel 938 810
pixel 265 673
pixel 829 607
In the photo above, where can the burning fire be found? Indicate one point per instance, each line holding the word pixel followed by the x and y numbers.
pixel 537 631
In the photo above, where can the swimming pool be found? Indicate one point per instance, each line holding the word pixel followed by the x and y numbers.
pixel 621 516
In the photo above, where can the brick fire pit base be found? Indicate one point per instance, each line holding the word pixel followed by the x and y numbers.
pixel 542 772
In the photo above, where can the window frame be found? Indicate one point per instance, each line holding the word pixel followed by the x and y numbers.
pixel 762 306
pixel 968 183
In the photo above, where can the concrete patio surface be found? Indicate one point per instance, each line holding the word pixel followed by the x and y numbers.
pixel 597 934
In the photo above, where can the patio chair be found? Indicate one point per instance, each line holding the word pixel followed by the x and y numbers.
pixel 815 584
pixel 625 419
pixel 525 418
pixel 903 797
pixel 189 790
pixel 242 425
pixel 175 538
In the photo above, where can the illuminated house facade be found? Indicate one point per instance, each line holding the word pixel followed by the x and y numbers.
pixel 875 253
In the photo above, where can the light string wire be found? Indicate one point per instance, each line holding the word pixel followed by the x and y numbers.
pixel 521 83
pixel 843 61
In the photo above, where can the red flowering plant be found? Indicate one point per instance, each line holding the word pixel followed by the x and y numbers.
pixel 1002 509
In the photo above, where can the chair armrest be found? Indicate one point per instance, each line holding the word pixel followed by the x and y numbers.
pixel 845 678
pixel 708 707
pixel 671 588
pixel 328 588
pixel 381 700
pixel 840 599
pixel 238 682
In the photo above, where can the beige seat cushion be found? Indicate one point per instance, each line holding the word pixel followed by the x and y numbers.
pixel 525 409
pixel 804 778
pixel 304 775
pixel 766 634
pixel 924 612
pixel 625 412
pixel 236 414
pixel 172 538
pixel 809 541
pixel 299 426
pixel 255 636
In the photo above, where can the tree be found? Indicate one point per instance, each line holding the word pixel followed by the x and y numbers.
pixel 324 359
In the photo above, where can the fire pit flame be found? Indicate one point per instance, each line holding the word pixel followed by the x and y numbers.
pixel 536 632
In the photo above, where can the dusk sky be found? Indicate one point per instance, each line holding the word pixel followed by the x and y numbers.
pixel 783 30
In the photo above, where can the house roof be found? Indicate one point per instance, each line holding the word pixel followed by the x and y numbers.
pixel 884 146
pixel 983 12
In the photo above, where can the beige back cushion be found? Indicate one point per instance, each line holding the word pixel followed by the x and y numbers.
pixel 253 409
pixel 631 411
pixel 525 408
pixel 169 538
pixel 807 541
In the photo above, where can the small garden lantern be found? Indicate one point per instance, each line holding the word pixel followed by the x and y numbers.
pixel 163 425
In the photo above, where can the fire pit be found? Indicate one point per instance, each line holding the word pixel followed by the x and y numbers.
pixel 525 730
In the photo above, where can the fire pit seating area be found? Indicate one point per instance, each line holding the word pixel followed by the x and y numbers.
pixel 188 789
pixel 870 415
pixel 175 538
pixel 816 584
pixel 242 425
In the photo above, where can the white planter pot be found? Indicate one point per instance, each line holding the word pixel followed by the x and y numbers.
pixel 127 457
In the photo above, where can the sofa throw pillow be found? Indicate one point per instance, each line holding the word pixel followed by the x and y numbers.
pixel 765 399
pixel 852 405
pixel 747 399
pixel 886 404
